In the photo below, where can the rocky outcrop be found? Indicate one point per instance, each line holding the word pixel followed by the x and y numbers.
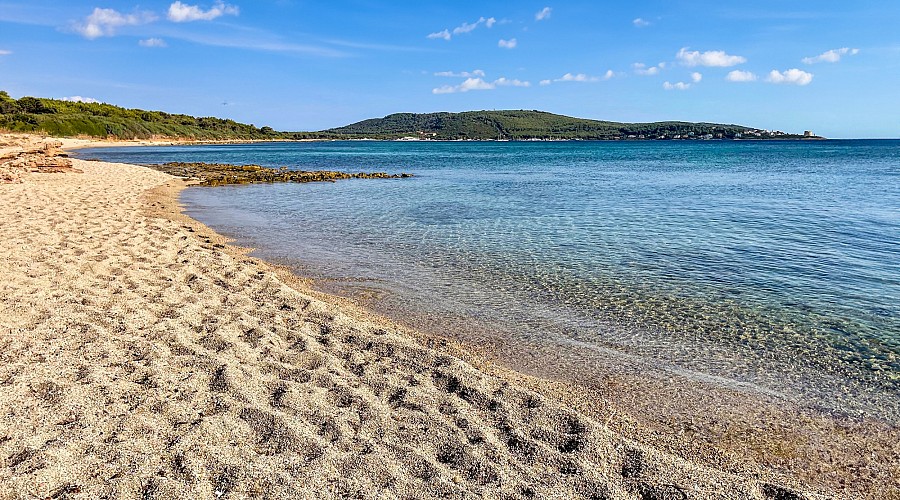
pixel 26 154
pixel 220 174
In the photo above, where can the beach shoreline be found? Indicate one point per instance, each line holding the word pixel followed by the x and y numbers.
pixel 73 144
pixel 296 378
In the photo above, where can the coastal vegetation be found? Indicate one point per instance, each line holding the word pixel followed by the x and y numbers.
pixel 221 174
pixel 525 125
pixel 67 119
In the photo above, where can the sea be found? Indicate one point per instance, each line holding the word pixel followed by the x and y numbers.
pixel 769 267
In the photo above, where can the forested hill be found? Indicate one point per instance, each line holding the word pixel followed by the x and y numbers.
pixel 65 118
pixel 526 125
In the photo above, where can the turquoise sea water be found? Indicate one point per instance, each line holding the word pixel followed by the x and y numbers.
pixel 770 266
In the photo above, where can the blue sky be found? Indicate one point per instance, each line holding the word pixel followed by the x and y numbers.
pixel 829 66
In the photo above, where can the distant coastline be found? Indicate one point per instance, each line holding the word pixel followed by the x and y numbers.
pixel 60 118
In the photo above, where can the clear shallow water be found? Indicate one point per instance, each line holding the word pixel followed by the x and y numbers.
pixel 773 266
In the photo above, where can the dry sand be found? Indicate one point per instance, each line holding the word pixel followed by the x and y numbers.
pixel 142 357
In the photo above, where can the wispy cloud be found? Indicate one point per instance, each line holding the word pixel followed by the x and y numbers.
pixel 183 13
pixel 543 14
pixel 713 58
pixel 30 14
pixel 241 36
pixel 831 56
pixel 78 98
pixel 479 84
pixel 506 82
pixel 152 42
pixel 105 22
pixel 740 76
pixel 461 74
pixel 696 77
pixel 643 70
pixel 676 86
pixel 374 46
pixel 256 40
pixel 580 77
pixel 640 23
pixel 468 28
pixel 792 76
pixel 5 52
pixel 507 44
pixel 444 35
pixel 463 28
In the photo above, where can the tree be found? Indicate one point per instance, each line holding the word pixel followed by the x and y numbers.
pixel 8 105
pixel 33 105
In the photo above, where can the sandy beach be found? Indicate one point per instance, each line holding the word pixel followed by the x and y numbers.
pixel 144 357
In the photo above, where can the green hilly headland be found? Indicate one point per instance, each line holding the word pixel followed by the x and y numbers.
pixel 525 125
pixel 65 118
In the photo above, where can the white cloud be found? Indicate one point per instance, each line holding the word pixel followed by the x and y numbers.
pixel 543 14
pixel 507 44
pixel 461 74
pixel 464 28
pixel 467 28
pixel 440 34
pixel 5 52
pixel 182 13
pixel 152 42
pixel 104 22
pixel 792 76
pixel 479 84
pixel 475 84
pixel 740 76
pixel 642 69
pixel 696 77
pixel 715 58
pixel 505 82
pixel 444 89
pixel 831 56
pixel 580 77
pixel 676 86
pixel 640 23
pixel 467 85
pixel 78 98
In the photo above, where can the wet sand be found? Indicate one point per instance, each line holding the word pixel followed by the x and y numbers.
pixel 143 356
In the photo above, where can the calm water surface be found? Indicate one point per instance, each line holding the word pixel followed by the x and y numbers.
pixel 770 266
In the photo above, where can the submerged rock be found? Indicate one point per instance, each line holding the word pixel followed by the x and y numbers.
pixel 221 174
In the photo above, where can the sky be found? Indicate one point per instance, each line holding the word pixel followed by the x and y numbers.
pixel 832 67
